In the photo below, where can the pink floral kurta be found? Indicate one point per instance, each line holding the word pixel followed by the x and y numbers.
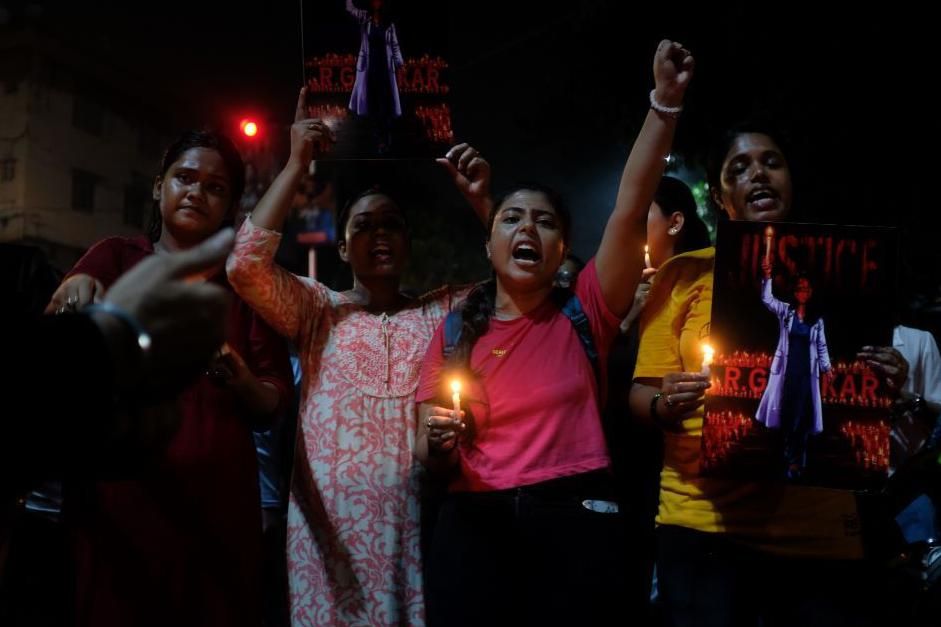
pixel 353 519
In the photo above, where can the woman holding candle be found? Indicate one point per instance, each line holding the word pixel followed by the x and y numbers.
pixel 670 379
pixel 528 533
pixel 353 518
pixel 696 566
pixel 673 228
pixel 729 551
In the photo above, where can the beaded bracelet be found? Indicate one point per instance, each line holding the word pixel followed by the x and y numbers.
pixel 673 112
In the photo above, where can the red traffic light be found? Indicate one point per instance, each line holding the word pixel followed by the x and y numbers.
pixel 248 127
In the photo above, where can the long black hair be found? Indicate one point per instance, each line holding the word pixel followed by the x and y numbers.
pixel 673 195
pixel 231 158
pixel 479 305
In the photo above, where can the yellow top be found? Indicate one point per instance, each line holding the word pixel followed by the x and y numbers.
pixel 778 518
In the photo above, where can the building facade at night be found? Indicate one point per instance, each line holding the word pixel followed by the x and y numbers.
pixel 77 153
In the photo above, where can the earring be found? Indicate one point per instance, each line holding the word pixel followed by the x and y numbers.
pixel 673 230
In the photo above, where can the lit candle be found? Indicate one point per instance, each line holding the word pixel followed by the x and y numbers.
pixel 647 256
pixel 456 397
pixel 769 235
pixel 707 353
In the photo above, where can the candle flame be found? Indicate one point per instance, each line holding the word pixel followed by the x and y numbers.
pixel 707 354
pixel 455 386
pixel 769 232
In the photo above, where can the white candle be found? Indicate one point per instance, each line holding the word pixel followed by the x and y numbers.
pixel 707 353
pixel 647 256
pixel 456 398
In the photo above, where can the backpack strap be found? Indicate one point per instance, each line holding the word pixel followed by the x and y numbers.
pixel 576 314
pixel 453 323
pixel 571 309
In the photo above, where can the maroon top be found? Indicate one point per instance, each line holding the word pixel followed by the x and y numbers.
pixel 180 544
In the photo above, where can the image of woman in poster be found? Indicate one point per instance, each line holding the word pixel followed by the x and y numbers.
pixel 792 402
pixel 375 92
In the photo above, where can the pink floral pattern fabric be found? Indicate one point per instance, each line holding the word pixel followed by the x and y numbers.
pixel 353 519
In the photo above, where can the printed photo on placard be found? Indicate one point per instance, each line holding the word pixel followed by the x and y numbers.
pixel 793 305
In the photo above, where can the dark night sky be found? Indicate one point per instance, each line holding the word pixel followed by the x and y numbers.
pixel 555 91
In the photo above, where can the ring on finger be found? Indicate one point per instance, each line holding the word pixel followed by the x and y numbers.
pixel 668 401
pixel 428 422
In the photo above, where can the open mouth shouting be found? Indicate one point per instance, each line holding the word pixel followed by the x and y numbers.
pixel 763 199
pixel 381 253
pixel 526 254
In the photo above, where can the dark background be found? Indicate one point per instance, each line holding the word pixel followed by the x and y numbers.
pixel 556 92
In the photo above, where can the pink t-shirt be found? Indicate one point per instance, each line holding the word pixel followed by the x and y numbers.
pixel 535 402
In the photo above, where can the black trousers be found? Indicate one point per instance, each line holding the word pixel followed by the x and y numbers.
pixel 707 580
pixel 536 555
